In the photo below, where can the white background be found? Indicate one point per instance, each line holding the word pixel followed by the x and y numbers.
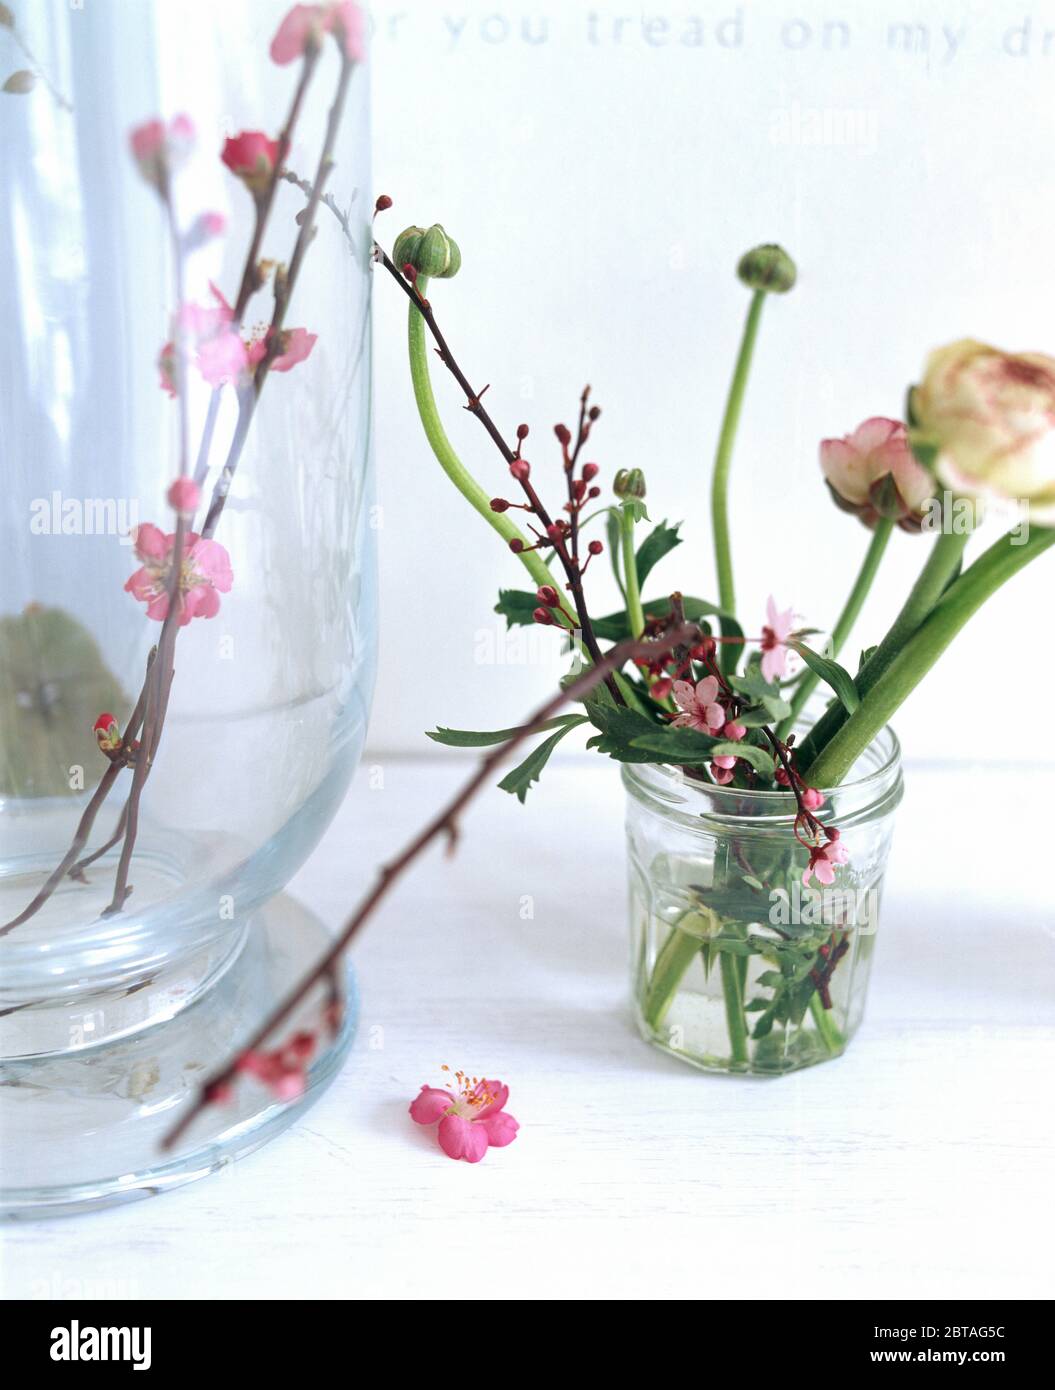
pixel 602 184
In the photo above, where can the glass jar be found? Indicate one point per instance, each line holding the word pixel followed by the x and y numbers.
pixel 737 964
pixel 170 315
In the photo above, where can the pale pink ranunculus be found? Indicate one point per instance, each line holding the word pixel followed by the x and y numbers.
pixel 252 156
pixel 160 149
pixel 471 1120
pixel 699 706
pixel 307 25
pixel 775 633
pixel 874 473
pixel 205 574
pixel 823 861
pixel 989 417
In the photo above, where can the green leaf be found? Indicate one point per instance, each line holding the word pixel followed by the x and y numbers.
pixel 659 542
pixel 613 531
pixel 527 773
pixel 517 607
pixel 762 692
pixel 688 747
pixel 831 673
pixel 619 728
pixel 471 738
pixel 759 759
pixel 615 626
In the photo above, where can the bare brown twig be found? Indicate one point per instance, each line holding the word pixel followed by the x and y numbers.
pixel 445 823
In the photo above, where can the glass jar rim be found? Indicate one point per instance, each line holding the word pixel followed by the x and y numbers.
pixel 871 793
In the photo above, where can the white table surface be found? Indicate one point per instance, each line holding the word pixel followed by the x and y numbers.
pixel 918 1165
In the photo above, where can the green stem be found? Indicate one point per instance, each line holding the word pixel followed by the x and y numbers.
pixel 674 958
pixel 826 1027
pixel 942 563
pixel 844 625
pixel 452 464
pixel 723 457
pixel 734 1008
pixel 904 672
pixel 634 611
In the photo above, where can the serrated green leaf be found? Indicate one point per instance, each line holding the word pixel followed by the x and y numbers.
pixel 527 773
pixel 517 607
pixel 686 747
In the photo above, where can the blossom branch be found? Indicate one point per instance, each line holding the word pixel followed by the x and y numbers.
pixel 445 823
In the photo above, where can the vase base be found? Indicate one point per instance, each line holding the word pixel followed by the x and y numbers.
pixel 82 1130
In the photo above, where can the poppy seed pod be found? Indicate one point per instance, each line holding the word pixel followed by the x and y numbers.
pixel 768 268
pixel 429 250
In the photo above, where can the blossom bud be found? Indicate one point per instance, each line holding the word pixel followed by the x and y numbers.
pixel 430 251
pixel 563 434
pixel 629 482
pixel 734 731
pixel 555 532
pixel 543 616
pixel 812 799
pixel 520 469
pixel 589 471
pixel 252 157
pixel 768 268
pixel 516 545
pixel 595 548
pixel 499 504
pixel 547 594
pixel 184 496
pixel 383 203
pixel 107 733
pixel 522 431
pixel 662 688
pixel 594 492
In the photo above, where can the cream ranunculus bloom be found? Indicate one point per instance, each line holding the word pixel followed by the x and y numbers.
pixel 989 416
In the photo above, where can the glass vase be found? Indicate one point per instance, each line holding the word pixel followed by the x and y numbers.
pixel 170 753
pixel 738 965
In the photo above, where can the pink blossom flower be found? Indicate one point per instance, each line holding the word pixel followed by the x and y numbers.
pixel 699 707
pixel 283 1070
pixel 294 345
pixel 734 731
pixel 159 149
pixel 306 25
pixel 812 799
pixel 471 1120
pixel 823 860
pixel 204 574
pixel 252 155
pixel 222 357
pixel 722 769
pixel 184 496
pixel 774 638
pixel 874 473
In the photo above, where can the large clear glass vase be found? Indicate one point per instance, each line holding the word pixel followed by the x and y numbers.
pixel 142 277
pixel 738 963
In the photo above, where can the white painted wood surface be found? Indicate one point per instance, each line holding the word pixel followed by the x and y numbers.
pixel 918 1165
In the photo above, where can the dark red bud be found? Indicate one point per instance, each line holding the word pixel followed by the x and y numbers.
pixel 383 203
pixel 516 545
pixel 520 469
pixel 543 616
pixel 410 272
pixel 662 688
pixel 595 547
pixel 563 433
pixel 594 492
pixel 578 488
pixel 499 504
pixel 547 594
pixel 522 431
pixel 590 470
pixel 595 410
pixel 555 532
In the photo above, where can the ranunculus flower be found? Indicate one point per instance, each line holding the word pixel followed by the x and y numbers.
pixel 252 155
pixel 204 575
pixel 699 706
pixel 873 473
pixel 989 418
pixel 159 149
pixel 471 1120
pixel 309 24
